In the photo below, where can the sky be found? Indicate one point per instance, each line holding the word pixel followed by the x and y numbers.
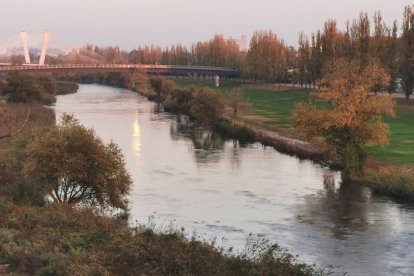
pixel 129 23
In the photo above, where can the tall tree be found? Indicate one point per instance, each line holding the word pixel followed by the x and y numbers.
pixel 267 56
pixel 392 57
pixel 304 60
pixel 354 118
pixel 361 34
pixel 407 55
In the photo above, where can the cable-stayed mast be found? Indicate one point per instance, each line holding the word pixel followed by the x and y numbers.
pixel 46 38
pixel 23 36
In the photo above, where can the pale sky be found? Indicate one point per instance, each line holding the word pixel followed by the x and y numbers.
pixel 129 23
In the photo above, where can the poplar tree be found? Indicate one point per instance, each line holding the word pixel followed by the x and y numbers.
pixel 407 55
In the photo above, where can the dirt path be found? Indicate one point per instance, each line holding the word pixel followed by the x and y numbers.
pixel 292 146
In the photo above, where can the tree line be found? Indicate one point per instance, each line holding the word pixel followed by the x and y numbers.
pixel 269 58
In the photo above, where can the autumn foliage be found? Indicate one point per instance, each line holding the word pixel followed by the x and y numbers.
pixel 354 117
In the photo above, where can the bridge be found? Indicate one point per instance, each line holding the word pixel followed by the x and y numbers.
pixel 94 65
pixel 151 69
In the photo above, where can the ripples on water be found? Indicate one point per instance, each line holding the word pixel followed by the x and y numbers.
pixel 191 176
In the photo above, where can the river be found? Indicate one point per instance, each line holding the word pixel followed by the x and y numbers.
pixel 191 178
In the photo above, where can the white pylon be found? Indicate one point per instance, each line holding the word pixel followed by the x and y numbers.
pixel 46 37
pixel 23 36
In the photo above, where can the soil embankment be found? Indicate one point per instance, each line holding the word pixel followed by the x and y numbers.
pixel 292 146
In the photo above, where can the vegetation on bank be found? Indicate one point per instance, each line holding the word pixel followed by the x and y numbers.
pixel 66 87
pixel 117 79
pixel 66 164
pixel 271 109
pixel 394 181
pixel 203 104
pixel 353 119
pixel 29 88
pixel 270 105
pixel 60 240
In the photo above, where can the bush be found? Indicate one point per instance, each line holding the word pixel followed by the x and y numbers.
pixel 207 105
pixel 162 87
pixel 227 130
pixel 66 87
pixel 70 164
pixel 27 88
pixel 179 100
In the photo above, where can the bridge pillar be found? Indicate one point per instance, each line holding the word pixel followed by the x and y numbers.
pixel 217 80
pixel 46 37
pixel 23 36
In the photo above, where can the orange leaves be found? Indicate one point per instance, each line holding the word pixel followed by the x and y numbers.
pixel 375 106
pixel 312 121
pixel 378 133
pixel 356 116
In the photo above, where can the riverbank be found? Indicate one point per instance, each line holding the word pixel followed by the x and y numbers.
pixel 269 118
pixel 60 240
pixel 284 144
pixel 271 110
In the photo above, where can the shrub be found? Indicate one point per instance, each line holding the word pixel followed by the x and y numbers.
pixel 66 87
pixel 70 164
pixel 179 100
pixel 207 105
pixel 26 88
pixel 241 133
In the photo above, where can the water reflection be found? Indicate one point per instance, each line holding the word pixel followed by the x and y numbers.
pixel 136 135
pixel 207 144
pixel 349 225
pixel 337 213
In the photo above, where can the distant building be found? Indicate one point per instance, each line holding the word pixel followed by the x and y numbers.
pixel 243 43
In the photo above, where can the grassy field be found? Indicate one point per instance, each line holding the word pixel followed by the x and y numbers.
pixel 271 108
pixel 401 147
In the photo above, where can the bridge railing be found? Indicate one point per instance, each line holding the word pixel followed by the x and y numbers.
pixel 145 67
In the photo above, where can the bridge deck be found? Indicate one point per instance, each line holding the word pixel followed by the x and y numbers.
pixel 145 68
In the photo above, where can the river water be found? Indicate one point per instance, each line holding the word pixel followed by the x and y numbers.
pixel 190 177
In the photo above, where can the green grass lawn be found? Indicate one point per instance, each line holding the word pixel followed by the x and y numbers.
pixel 401 147
pixel 271 108
pixel 275 106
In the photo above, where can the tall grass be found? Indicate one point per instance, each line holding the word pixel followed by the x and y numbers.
pixel 58 240
pixel 394 181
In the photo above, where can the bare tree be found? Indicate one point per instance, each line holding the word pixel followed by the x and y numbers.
pixel 237 101
pixel 13 123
